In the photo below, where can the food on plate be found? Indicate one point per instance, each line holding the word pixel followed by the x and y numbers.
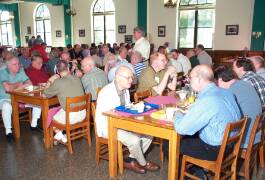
pixel 161 114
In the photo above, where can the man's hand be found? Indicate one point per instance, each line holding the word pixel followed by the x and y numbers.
pixel 53 78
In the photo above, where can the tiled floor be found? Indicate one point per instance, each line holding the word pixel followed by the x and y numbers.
pixel 27 159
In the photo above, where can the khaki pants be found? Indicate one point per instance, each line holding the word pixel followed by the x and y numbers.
pixel 74 117
pixel 137 144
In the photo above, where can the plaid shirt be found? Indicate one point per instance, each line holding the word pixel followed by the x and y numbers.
pixel 258 83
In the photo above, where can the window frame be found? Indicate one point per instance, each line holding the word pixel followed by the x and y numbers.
pixel 196 7
pixel 104 14
pixel 43 20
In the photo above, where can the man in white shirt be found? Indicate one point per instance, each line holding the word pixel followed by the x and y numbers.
pixel 118 94
pixel 203 56
pixel 178 57
pixel 141 45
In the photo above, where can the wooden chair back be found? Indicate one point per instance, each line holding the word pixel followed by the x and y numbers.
pixel 77 130
pixel 139 96
pixel 228 154
pixel 75 104
pixel 249 155
pixel 262 144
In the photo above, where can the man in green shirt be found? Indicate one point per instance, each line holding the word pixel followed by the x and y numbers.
pixel 156 78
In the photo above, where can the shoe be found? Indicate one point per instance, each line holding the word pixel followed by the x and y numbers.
pixel 59 136
pixel 198 172
pixel 150 166
pixel 134 166
pixel 37 129
pixel 9 137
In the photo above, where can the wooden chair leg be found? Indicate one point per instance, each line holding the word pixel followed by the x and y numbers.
pixel 261 155
pixel 69 142
pixel 30 115
pixel 51 136
pixel 97 152
pixel 161 151
pixel 255 165
pixel 246 171
pixel 120 158
pixel 88 135
pixel 183 164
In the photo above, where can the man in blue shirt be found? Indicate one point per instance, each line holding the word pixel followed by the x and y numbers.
pixel 246 97
pixel 208 117
pixel 13 77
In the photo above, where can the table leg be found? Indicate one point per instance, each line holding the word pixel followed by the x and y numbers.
pixel 45 108
pixel 15 115
pixel 173 159
pixel 112 140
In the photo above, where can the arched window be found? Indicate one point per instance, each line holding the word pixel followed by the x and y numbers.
pixel 5 28
pixel 196 23
pixel 43 23
pixel 104 21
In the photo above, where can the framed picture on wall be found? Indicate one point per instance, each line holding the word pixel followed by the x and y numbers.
pixel 128 38
pixel 121 29
pixel 58 33
pixel 28 30
pixel 161 31
pixel 232 29
pixel 82 33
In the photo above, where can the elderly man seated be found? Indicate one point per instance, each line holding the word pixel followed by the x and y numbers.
pixel 13 77
pixel 117 93
pixel 138 65
pixel 93 77
pixel 156 78
pixel 258 63
pixel 35 72
pixel 205 122
pixel 244 70
pixel 66 85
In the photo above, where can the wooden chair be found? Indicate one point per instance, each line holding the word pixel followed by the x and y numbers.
pixel 261 146
pixel 25 115
pixel 77 130
pixel 225 165
pixel 139 96
pixel 249 155
pixel 102 144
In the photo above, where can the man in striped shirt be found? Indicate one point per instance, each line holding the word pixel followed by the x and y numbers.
pixel 136 60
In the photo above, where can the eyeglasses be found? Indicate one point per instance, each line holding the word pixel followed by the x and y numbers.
pixel 127 77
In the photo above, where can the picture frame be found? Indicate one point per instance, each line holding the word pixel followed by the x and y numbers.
pixel 128 38
pixel 161 31
pixel 82 33
pixel 58 33
pixel 122 29
pixel 232 29
pixel 28 30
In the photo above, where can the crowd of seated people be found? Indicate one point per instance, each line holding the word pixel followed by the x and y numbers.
pixel 116 68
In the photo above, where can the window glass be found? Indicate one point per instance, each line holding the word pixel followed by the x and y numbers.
pixel 104 21
pixel 43 23
pixel 196 23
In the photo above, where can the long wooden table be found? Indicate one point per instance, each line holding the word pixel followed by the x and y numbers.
pixel 34 98
pixel 143 125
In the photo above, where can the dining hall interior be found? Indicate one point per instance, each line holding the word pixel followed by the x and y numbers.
pixel 132 89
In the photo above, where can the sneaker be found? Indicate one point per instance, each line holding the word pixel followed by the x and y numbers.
pixel 59 136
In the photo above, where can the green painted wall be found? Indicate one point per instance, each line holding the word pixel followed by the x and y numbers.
pixel 142 14
pixel 67 25
pixel 258 25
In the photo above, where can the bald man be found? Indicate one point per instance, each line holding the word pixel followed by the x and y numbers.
pixel 213 109
pixel 115 94
pixel 93 77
